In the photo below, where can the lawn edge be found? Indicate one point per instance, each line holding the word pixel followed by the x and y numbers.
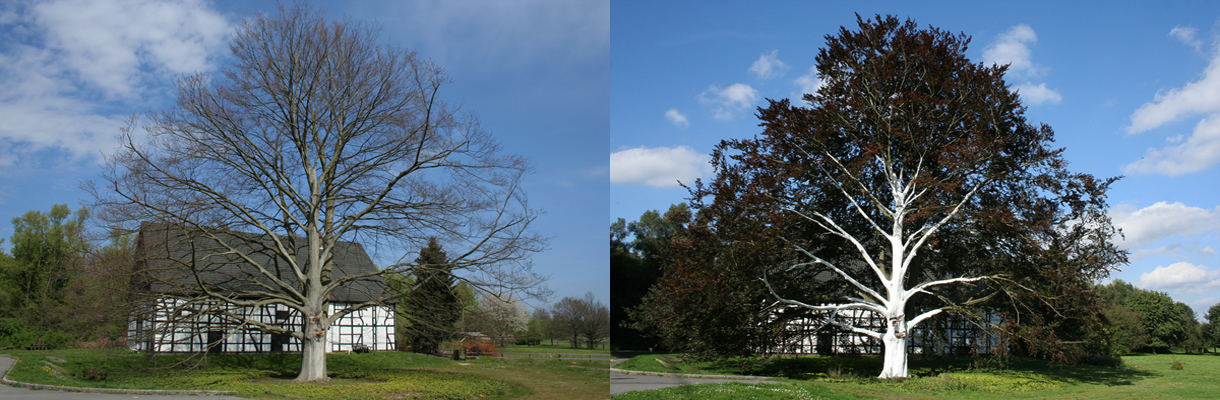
pixel 5 380
pixel 696 376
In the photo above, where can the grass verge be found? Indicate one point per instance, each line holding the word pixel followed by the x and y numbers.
pixel 379 375
pixel 545 348
pixel 1141 377
pixel 734 391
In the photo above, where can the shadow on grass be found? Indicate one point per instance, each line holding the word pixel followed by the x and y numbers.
pixel 801 367
pixel 816 367
pixel 1109 376
pixel 1092 374
pixel 810 367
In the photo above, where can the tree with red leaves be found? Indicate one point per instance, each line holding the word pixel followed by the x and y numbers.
pixel 912 179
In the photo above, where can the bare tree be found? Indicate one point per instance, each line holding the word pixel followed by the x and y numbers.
pixel 315 133
pixel 582 317
pixel 596 325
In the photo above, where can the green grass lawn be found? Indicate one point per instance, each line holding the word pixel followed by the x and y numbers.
pixel 378 375
pixel 1141 377
pixel 555 349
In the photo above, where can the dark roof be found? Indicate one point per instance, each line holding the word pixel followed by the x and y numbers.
pixel 169 252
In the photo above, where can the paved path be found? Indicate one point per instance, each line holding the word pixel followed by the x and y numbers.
pixel 14 393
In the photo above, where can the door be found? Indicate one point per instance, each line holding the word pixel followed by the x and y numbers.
pixel 215 342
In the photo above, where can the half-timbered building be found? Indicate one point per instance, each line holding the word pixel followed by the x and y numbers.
pixel 944 335
pixel 174 263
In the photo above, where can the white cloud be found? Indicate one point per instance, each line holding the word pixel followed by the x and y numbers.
pixel 658 166
pixel 1199 97
pixel 1149 225
pixel 1199 152
pixel 728 102
pixel 1187 35
pixel 808 83
pixel 109 43
pixel 1181 276
pixel 1176 249
pixel 769 66
pixel 1038 94
pixel 1201 149
pixel 677 118
pixel 1012 48
pixel 73 71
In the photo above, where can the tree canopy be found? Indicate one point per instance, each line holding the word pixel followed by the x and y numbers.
pixel 1164 323
pixel 43 246
pixel 909 185
pixel 58 287
pixel 635 266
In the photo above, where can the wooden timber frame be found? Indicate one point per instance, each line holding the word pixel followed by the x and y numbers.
pixel 943 335
pixel 168 327
pixel 162 321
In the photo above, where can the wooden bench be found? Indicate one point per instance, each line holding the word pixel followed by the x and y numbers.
pixel 38 346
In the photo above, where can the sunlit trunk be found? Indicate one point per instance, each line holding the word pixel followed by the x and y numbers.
pixel 895 337
pixel 313 354
pixel 895 364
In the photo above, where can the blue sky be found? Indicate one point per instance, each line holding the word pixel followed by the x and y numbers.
pixel 1130 88
pixel 535 71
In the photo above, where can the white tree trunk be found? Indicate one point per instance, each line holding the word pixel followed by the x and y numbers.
pixel 895 364
pixel 904 244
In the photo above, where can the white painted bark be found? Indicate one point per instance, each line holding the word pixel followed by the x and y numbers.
pixel 892 298
pixel 895 362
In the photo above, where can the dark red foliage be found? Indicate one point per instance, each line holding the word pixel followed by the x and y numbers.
pixel 476 348
pixel 896 101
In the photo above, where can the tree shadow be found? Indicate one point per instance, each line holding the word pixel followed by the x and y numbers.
pixel 802 367
pixel 1109 375
pixel 815 367
pixel 1099 375
pixel 282 365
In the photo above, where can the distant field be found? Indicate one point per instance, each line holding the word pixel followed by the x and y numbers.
pixel 1142 377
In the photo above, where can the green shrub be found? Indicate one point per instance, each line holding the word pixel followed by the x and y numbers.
pixel 58 340
pixel 14 333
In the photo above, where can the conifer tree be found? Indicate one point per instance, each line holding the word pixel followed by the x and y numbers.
pixel 433 307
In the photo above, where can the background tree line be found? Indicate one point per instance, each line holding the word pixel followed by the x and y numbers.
pixel 58 287
pixel 438 307
pixel 654 268
pixel 1151 321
